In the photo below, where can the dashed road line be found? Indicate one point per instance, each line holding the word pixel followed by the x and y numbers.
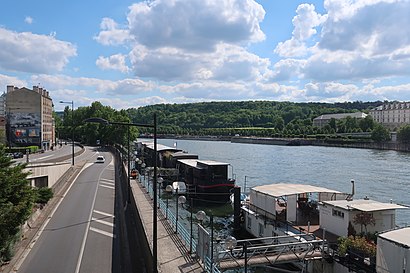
pixel 108 187
pixel 109 234
pixel 102 222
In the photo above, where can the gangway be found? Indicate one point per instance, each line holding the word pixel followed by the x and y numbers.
pixel 271 250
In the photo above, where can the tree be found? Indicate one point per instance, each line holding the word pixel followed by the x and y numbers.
pixel 16 202
pixel 380 133
pixel 403 135
pixel 364 219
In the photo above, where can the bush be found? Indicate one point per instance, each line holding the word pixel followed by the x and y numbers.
pixel 43 195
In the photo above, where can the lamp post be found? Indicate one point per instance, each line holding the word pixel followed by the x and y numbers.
pixel 155 213
pixel 72 126
pixel 180 200
pixel 168 189
pixel 190 240
pixel 200 215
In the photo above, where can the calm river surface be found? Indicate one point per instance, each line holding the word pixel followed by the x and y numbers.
pixel 380 175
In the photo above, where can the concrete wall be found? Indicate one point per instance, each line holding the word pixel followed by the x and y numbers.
pixel 53 171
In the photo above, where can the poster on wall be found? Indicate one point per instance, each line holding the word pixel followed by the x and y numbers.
pixel 25 128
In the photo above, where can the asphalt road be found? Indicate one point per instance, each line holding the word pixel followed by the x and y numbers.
pixel 82 234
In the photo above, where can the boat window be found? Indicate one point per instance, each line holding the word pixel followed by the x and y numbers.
pixel 260 230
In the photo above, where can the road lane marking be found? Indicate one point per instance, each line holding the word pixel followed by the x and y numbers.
pixel 108 180
pixel 45 223
pixel 81 254
pixel 108 187
pixel 102 222
pixel 107 183
pixel 109 234
pixel 104 213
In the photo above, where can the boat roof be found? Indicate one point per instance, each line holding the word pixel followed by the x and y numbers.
pixel 283 189
pixel 200 164
pixel 184 155
pixel 399 236
pixel 160 147
pixel 364 205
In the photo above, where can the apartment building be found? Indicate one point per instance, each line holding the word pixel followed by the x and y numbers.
pixel 29 117
pixel 392 115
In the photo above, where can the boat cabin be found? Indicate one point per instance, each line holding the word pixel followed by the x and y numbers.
pixel 293 204
pixel 207 179
pixel 348 217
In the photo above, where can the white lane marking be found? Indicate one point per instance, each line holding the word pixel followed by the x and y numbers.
pixel 40 231
pixel 108 181
pixel 102 222
pixel 108 187
pixel 80 256
pixel 108 184
pixel 109 234
pixel 104 213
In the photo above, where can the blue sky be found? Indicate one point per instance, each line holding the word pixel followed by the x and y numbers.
pixel 135 53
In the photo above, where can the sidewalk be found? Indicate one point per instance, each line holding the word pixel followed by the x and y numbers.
pixel 173 256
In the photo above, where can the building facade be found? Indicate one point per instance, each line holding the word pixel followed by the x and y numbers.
pixel 3 121
pixel 29 117
pixel 392 115
pixel 322 120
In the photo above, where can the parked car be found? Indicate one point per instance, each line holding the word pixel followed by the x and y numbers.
pixel 100 159
pixel 18 155
pixel 10 155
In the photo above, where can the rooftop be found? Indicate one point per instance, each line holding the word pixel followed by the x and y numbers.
pixel 282 189
pixel 364 205
pixel 399 236
pixel 200 164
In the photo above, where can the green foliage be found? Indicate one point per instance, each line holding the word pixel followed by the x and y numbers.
pixel 380 133
pixel 16 201
pixel 284 117
pixel 356 243
pixel 403 134
pixel 43 195
pixel 89 133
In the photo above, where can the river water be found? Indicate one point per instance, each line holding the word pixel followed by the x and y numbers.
pixel 379 175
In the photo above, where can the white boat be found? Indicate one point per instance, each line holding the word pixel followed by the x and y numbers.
pixel 180 186
pixel 244 198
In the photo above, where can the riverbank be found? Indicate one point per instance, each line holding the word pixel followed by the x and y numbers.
pixel 330 142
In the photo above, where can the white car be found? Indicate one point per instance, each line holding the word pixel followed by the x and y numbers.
pixel 100 159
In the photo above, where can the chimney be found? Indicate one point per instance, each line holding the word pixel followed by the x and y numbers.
pixel 352 187
pixel 10 88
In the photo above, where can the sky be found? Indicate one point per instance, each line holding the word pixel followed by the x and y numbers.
pixel 128 54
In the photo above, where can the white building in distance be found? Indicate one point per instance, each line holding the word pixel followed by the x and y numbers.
pixel 392 115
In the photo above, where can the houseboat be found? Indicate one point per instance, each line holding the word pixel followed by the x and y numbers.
pixel 276 209
pixel 206 180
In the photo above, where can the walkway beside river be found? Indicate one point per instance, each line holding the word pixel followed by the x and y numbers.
pixel 173 256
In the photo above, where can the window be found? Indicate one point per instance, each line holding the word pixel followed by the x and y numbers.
pixel 338 213
pixel 249 222
pixel 260 230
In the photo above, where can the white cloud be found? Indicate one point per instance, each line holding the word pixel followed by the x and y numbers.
pixel 28 52
pixel 114 62
pixel 111 34
pixel 354 41
pixel 227 62
pixel 305 22
pixel 28 20
pixel 9 80
pixel 195 25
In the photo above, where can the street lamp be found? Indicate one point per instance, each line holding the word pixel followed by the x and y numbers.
pixel 200 215
pixel 154 216
pixel 72 125
pixel 168 189
pixel 180 200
